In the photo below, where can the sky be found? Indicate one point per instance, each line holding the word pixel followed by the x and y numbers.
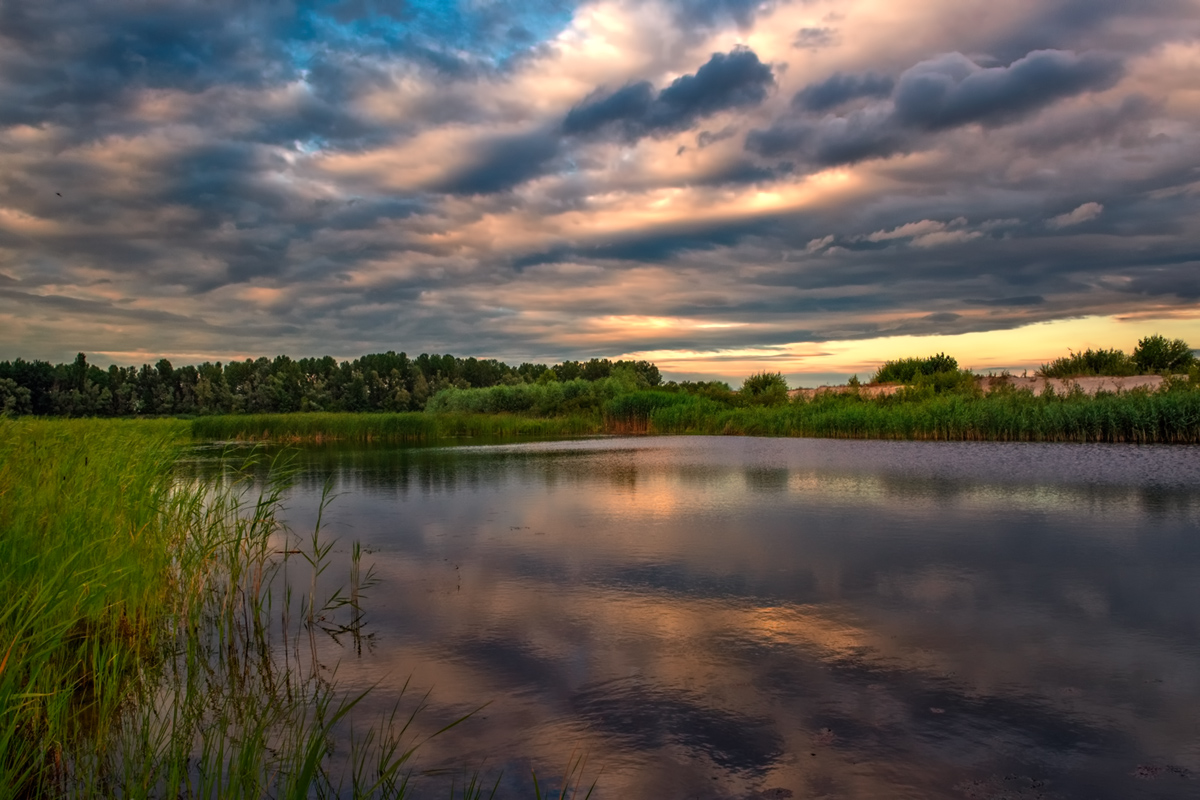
pixel 720 186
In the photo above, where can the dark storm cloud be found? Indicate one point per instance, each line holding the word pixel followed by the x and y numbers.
pixel 1089 125
pixel 733 80
pixel 841 88
pixel 252 167
pixel 744 171
pixel 952 90
pixel 82 64
pixel 627 104
pixel 939 94
pixel 502 164
pixel 1023 300
pixel 1178 280
pixel 66 62
pixel 54 302
pixel 869 133
pixel 1078 24
pixel 727 81
pixel 660 244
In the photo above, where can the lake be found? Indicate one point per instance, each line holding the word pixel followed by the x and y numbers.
pixel 729 618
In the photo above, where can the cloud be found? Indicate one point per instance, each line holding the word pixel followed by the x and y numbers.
pixel 862 135
pixel 908 230
pixel 815 38
pixel 727 81
pixel 716 13
pixel 1084 213
pixel 1022 300
pixel 840 88
pixel 1075 24
pixel 629 104
pixel 349 176
pixel 938 238
pixel 928 233
pixel 934 95
pixel 501 164
pixel 952 90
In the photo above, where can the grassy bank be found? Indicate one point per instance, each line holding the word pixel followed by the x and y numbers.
pixel 402 427
pixel 148 646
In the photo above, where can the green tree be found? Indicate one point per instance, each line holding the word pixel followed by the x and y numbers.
pixel 1157 353
pixel 14 399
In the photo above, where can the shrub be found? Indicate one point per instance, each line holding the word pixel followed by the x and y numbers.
pixel 1090 362
pixel 765 389
pixel 906 370
pixel 552 398
pixel 1157 353
pixel 955 381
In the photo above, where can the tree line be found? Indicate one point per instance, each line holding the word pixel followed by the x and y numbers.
pixel 377 382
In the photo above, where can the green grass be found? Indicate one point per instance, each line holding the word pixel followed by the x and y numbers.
pixel 81 577
pixel 151 646
pixel 1171 416
pixel 941 406
pixel 403 427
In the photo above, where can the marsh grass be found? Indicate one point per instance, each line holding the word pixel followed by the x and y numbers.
pixel 946 405
pixel 385 427
pixel 160 631
pixel 1171 416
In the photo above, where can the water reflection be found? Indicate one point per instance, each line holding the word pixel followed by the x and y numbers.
pixel 736 618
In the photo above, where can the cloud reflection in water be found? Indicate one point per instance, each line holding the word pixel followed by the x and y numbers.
pixel 722 617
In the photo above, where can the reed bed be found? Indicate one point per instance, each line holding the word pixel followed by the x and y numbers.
pixel 1168 416
pixel 153 643
pixel 1165 417
pixel 384 427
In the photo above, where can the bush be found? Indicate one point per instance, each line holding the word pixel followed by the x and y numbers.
pixel 1157 353
pixel 1090 362
pixel 765 389
pixel 906 370
pixel 550 399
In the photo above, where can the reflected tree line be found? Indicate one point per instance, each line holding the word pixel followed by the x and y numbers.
pixel 378 382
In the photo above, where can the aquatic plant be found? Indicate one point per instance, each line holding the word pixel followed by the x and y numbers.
pixel 152 643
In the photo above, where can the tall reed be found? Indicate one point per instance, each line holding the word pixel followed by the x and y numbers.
pixel 150 645
pixel 1168 417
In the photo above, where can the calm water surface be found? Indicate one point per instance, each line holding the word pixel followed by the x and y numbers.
pixel 754 618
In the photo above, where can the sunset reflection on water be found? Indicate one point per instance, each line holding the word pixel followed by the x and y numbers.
pixel 744 618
